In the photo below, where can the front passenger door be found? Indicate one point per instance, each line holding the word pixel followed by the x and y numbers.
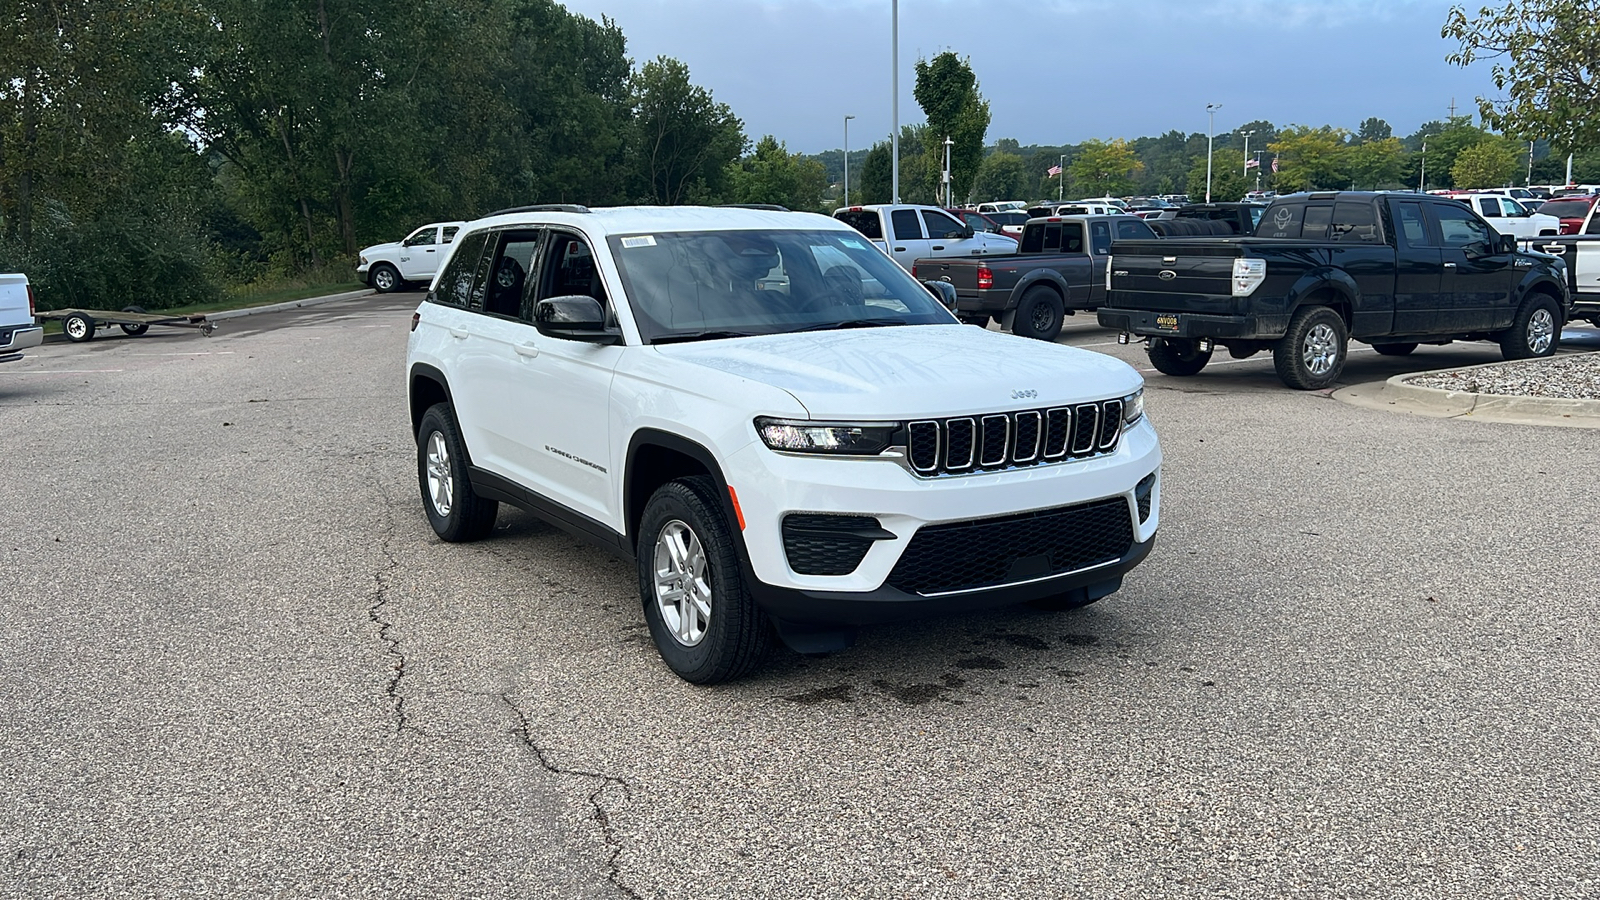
pixel 419 254
pixel 1477 275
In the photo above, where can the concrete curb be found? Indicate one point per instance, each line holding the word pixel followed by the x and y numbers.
pixel 221 315
pixel 1395 394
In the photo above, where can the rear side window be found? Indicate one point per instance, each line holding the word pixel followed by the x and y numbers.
pixel 865 221
pixel 1490 207
pixel 1133 230
pixel 905 225
pixel 1033 239
pixel 450 232
pixel 1100 238
pixel 1315 225
pixel 455 282
pixel 1072 237
pixel 1413 229
pixel 512 266
pixel 1355 222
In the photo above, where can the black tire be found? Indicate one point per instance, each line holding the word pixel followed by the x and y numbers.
pixel 1177 356
pixel 1394 349
pixel 1039 314
pixel 454 509
pixel 1301 358
pixel 1536 330
pixel 138 329
pixel 980 321
pixel 385 278
pixel 731 635
pixel 78 328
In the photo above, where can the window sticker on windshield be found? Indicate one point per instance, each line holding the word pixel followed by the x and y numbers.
pixel 852 243
pixel 641 241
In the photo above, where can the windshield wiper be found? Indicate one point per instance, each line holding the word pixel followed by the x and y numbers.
pixel 681 336
pixel 879 322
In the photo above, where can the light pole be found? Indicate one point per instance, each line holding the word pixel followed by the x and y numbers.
pixel 949 185
pixel 1247 151
pixel 1422 176
pixel 1258 170
pixel 847 159
pixel 1061 175
pixel 894 89
pixel 1529 182
pixel 1211 130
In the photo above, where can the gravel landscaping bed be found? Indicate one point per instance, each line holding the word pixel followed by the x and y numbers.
pixel 1575 377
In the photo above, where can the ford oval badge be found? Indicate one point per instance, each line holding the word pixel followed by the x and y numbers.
pixel 1168 275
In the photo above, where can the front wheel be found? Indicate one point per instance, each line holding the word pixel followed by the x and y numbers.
pixel 1039 315
pixel 385 278
pixel 1534 332
pixel 1311 356
pixel 705 624
pixel 454 509
pixel 1176 356
pixel 78 328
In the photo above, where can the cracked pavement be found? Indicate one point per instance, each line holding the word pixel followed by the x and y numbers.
pixel 1359 663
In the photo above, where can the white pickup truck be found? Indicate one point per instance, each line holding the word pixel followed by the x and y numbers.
pixel 387 267
pixel 17 329
pixel 909 233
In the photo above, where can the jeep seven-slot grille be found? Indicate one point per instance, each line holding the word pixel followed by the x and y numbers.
pixel 1003 440
pixel 987 553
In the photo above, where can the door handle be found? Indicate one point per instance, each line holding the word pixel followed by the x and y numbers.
pixel 458 334
pixel 528 351
pixel 899 249
pixel 1449 265
pixel 937 247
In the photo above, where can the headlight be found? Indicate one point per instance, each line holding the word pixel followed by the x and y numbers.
pixel 1132 408
pixel 851 438
pixel 363 260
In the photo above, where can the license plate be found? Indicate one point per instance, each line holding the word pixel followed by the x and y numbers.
pixel 1167 323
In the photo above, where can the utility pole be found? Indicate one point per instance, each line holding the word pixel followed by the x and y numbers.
pixel 1247 151
pixel 847 159
pixel 1529 182
pixel 949 185
pixel 894 88
pixel 1061 175
pixel 1422 177
pixel 1211 130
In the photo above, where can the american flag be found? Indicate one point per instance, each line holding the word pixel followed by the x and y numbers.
pixel 1251 163
pixel 1054 170
pixel 1274 164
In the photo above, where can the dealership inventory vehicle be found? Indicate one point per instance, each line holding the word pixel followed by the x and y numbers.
pixel 1059 267
pixel 388 267
pixel 1200 219
pixel 908 233
pixel 17 329
pixel 1508 216
pixel 1390 270
pixel 782 429
pixel 1574 212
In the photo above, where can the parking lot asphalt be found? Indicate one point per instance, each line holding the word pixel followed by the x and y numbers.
pixel 1361 662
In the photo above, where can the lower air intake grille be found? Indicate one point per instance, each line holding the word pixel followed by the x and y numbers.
pixel 984 553
pixel 827 545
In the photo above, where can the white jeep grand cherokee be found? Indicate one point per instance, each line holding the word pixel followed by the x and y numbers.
pixel 786 432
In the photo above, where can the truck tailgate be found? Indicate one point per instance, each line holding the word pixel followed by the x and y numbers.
pixel 1167 274
pixel 961 271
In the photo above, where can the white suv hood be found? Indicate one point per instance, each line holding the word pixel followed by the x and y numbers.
pixel 913 371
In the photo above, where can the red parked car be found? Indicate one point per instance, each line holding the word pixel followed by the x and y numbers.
pixel 1570 210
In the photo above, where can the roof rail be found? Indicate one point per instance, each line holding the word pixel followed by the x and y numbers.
pixel 772 207
pixel 542 207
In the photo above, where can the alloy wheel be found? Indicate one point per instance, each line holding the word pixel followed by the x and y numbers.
pixel 441 485
pixel 1320 350
pixel 682 584
pixel 1541 331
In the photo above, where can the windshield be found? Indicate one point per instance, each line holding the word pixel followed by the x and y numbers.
pixel 711 284
pixel 1566 209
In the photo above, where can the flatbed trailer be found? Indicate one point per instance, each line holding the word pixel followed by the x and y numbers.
pixel 79 325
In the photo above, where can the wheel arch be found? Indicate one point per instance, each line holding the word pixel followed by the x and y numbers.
pixel 426 387
pixel 1333 288
pixel 1049 278
pixel 656 457
pixel 1549 287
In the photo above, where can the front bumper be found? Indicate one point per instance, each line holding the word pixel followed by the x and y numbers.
pixel 771 485
pixel 1152 323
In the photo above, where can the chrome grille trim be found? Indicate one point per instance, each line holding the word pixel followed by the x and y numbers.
pixel 999 441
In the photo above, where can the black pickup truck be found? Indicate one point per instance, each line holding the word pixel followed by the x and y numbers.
pixel 1390 270
pixel 1059 267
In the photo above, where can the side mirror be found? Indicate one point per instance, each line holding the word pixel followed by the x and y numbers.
pixel 1506 243
pixel 944 291
pixel 574 318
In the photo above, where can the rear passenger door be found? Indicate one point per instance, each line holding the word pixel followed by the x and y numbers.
pixel 1364 256
pixel 907 243
pixel 1418 272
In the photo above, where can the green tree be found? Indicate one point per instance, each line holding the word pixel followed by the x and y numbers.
pixel 1000 177
pixel 772 174
pixel 1545 63
pixel 1377 163
pixel 947 91
pixel 686 139
pixel 873 183
pixel 1104 168
pixel 1310 158
pixel 1491 163
pixel 1228 181
pixel 1373 129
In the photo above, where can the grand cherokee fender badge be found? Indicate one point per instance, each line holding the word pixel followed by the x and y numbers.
pixel 1167 275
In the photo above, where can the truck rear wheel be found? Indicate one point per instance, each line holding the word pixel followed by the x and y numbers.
pixel 1176 356
pixel 1039 314
pixel 1535 331
pixel 1311 356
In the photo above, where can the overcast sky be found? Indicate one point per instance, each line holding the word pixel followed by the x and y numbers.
pixel 1060 71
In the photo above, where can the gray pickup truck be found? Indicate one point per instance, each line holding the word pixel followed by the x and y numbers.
pixel 1059 267
pixel 17 329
